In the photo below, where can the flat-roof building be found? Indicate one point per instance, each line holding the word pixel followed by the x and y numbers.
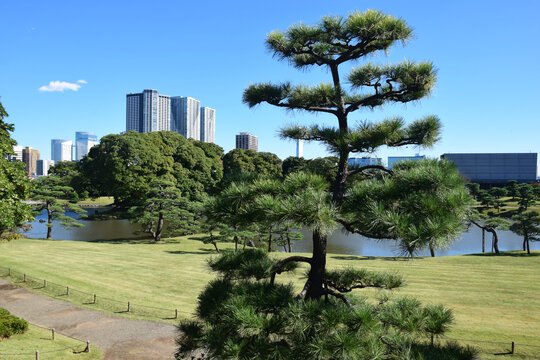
pixel 496 168
pixel 394 159
pixel 246 141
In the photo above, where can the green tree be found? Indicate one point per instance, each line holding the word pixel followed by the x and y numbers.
pixel 525 197
pixel 498 192
pixel 240 161
pixel 293 164
pixel 14 184
pixel 125 165
pixel 474 189
pixel 49 191
pixel 489 224
pixel 512 188
pixel 164 212
pixel 244 315
pixel 527 224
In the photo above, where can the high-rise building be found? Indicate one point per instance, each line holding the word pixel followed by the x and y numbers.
pixel 299 148
pixel 186 116
pixel 18 154
pixel 394 159
pixel 30 157
pixel 61 150
pixel 208 125
pixel 148 111
pixel 246 141
pixel 43 167
pixel 83 142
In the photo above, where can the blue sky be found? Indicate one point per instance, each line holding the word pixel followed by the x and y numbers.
pixel 487 53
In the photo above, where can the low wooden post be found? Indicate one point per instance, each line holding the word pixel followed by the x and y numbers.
pixel 9 271
pixel 24 277
pixel 94 298
pixel 512 351
pixel 37 355
pixel 44 283
pixel 176 313
pixel 52 333
pixel 129 307
pixel 67 290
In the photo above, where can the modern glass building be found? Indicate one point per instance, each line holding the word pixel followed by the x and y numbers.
pixel 496 168
pixel 394 159
pixel 148 111
pixel 61 150
pixel 364 161
pixel 43 167
pixel 208 125
pixel 83 142
pixel 246 141
pixel 186 116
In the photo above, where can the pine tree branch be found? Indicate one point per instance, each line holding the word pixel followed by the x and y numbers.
pixel 367 167
pixel 278 268
pixel 337 295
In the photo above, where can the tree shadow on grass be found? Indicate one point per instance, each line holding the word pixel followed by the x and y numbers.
pixel 507 254
pixel 385 258
pixel 201 251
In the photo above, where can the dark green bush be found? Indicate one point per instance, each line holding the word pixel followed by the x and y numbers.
pixel 10 324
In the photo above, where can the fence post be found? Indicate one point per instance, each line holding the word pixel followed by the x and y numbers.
pixel 52 332
pixel 512 348
pixel 67 290
pixel 176 313
pixel 129 307
pixel 37 355
pixel 44 283
pixel 24 278
pixel 94 298
pixel 9 271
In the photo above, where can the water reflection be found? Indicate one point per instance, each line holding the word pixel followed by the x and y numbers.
pixel 338 243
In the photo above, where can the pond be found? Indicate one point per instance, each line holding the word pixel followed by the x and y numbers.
pixel 338 243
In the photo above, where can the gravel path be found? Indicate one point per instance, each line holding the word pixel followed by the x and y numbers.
pixel 118 337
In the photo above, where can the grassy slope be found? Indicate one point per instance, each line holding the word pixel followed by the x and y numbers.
pixel 495 299
pixel 36 338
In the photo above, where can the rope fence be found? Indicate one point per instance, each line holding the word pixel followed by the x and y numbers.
pixel 92 300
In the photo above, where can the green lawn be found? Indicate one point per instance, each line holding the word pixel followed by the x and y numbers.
pixel 100 201
pixel 496 299
pixel 24 346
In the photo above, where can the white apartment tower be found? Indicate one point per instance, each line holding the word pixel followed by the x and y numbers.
pixel 208 125
pixel 148 111
pixel 186 117
pixel 61 150
pixel 246 141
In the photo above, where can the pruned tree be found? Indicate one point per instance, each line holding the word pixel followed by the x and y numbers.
pixel 489 224
pixel 527 224
pixel 49 191
pixel 525 197
pixel 164 212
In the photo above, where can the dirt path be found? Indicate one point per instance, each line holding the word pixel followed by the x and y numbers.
pixel 118 337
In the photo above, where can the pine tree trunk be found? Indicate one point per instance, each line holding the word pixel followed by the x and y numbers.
pixel 159 228
pixel 235 243
pixel 483 240
pixel 49 221
pixel 270 242
pixel 431 250
pixel 527 239
pixel 314 286
pixel 340 183
pixel 495 241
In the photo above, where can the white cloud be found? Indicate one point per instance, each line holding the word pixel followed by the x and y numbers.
pixel 60 86
pixel 82 81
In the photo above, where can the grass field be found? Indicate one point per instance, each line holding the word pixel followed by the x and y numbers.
pixel 24 346
pixel 496 299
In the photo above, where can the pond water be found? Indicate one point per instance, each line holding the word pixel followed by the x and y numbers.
pixel 338 243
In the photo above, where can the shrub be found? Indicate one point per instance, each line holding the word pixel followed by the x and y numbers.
pixel 10 324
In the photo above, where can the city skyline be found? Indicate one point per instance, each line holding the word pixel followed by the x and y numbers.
pixel 54 85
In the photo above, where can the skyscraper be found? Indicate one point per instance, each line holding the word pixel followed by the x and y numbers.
pixel 18 154
pixel 30 157
pixel 61 150
pixel 42 168
pixel 208 124
pixel 246 141
pixel 186 116
pixel 148 111
pixel 83 142
pixel 299 148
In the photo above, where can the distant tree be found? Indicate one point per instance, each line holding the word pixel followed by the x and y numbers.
pixel 125 165
pixel 239 161
pixel 474 189
pixel 485 198
pixel 14 184
pixel 489 224
pixel 527 224
pixel 512 186
pixel 498 192
pixel 536 190
pixel 293 164
pixel 164 212
pixel 49 191
pixel 525 196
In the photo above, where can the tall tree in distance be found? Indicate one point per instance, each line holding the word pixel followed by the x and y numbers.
pixel 49 192
pixel 14 184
